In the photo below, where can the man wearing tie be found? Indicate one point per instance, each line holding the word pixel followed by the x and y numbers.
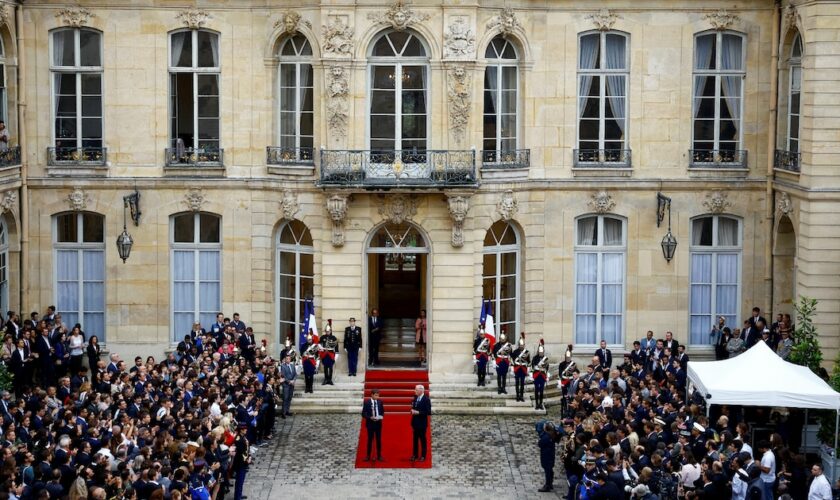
pixel 288 374
pixel 374 336
pixel 421 408
pixel 604 356
pixel 373 411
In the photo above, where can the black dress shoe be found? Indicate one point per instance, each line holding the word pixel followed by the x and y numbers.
pixel 545 489
pixel 289 414
pixel 422 459
pixel 380 459
pixel 324 382
pixel 367 459
pixel 412 459
pixel 283 417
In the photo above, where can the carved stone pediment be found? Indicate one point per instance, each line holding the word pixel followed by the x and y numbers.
pixel 194 199
pixel 289 205
pixel 604 19
pixel 722 19
pixel 397 208
pixel 399 16
pixel 505 21
pixel 75 17
pixel 459 40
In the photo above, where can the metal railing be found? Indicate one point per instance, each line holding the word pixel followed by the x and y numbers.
pixel 717 158
pixel 378 168
pixel 278 155
pixel 786 160
pixel 602 158
pixel 10 157
pixel 514 158
pixel 73 156
pixel 178 157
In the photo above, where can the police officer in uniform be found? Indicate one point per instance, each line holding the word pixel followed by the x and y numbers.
pixel 539 366
pixel 482 354
pixel 352 344
pixel 521 361
pixel 329 346
pixel 501 351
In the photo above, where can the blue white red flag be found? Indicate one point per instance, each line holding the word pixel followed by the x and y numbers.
pixel 488 327
pixel 308 323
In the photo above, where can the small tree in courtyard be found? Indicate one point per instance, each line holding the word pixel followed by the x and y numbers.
pixel 806 350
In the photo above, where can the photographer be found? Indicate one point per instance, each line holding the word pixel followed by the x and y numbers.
pixel 549 437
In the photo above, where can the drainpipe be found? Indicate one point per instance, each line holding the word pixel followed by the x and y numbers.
pixel 771 148
pixel 24 161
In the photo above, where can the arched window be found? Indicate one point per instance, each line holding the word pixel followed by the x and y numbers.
pixel 194 95
pixel 295 99
pixel 719 72
pixel 794 94
pixel 196 261
pixel 76 67
pixel 600 255
pixel 4 265
pixel 603 71
pixel 501 84
pixel 715 275
pixel 295 277
pixel 500 275
pixel 79 244
pixel 399 72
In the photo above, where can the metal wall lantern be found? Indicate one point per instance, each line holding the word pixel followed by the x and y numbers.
pixel 669 242
pixel 124 240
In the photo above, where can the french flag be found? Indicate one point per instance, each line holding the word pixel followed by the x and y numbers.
pixel 308 322
pixel 486 321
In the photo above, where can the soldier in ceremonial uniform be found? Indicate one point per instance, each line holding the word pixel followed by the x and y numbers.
pixel 501 351
pixel 521 361
pixel 352 344
pixel 539 366
pixel 310 363
pixel 329 346
pixel 482 354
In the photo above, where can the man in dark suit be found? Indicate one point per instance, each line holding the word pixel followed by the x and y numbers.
pixel 248 345
pixel 374 336
pixel 751 334
pixel 756 317
pixel 604 355
pixel 670 342
pixel 421 408
pixel 45 357
pixel 289 375
pixel 352 344
pixel 373 411
pixel 17 365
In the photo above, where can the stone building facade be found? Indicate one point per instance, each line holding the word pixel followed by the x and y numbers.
pixel 421 155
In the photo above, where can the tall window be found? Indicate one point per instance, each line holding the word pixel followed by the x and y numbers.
pixel 715 274
pixel 196 270
pixel 719 72
pixel 500 276
pixel 794 95
pixel 600 254
pixel 295 272
pixel 76 67
pixel 3 94
pixel 4 265
pixel 602 96
pixel 295 98
pixel 399 69
pixel 194 89
pixel 80 270
pixel 501 82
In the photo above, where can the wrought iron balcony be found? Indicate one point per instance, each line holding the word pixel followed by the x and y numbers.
pixel 602 158
pixel 189 157
pixel 10 157
pixel 388 169
pixel 514 158
pixel 276 155
pixel 74 157
pixel 717 158
pixel 786 160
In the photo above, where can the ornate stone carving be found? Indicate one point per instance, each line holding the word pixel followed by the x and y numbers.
pixel 338 38
pixel 604 19
pixel 338 89
pixel 459 86
pixel 398 208
pixel 337 208
pixel 6 15
pixel 505 21
pixel 9 201
pixel 399 16
pixel 459 40
pixel 74 16
pixel 722 20
pixel 601 202
pixel 194 199
pixel 508 206
pixel 792 17
pixel 290 22
pixel 78 199
pixel 717 202
pixel 459 205
pixel 193 18
pixel 784 204
pixel 289 205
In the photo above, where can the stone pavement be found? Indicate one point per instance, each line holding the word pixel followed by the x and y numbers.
pixel 313 456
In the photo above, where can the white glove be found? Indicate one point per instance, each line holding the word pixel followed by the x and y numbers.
pixel 336 357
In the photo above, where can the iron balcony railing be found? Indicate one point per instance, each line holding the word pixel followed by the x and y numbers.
pixel 378 168
pixel 10 157
pixel 73 156
pixel 717 158
pixel 602 158
pixel 189 157
pixel 514 158
pixel 787 160
pixel 278 155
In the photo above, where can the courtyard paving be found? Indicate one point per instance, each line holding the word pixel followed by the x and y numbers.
pixel 492 457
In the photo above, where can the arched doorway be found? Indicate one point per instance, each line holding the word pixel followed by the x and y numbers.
pixel 784 267
pixel 397 271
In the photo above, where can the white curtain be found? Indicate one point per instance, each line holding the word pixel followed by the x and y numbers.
pixel 613 232
pixel 589 45
pixel 214 47
pixel 701 298
pixel 727 232
pixel 58 47
pixel 730 59
pixel 67 284
pixel 183 292
pixel 93 276
pixel 586 231
pixel 177 40
pixel 703 54
pixel 612 300
pixel 616 59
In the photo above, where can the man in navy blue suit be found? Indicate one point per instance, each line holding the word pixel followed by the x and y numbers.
pixel 604 356
pixel 373 411
pixel 421 408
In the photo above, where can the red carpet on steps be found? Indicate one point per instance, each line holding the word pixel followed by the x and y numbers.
pixel 396 390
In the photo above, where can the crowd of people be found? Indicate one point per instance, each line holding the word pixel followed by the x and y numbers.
pixel 187 426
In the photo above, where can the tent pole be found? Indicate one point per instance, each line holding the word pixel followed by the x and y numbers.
pixel 834 451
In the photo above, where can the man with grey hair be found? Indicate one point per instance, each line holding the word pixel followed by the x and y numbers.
pixel 421 408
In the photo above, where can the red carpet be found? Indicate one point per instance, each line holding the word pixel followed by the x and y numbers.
pixel 396 390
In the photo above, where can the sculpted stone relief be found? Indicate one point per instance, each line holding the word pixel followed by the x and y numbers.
pixel 459 40
pixel 338 89
pixel 459 83
pixel 74 16
pixel 193 18
pixel 337 38
pixel 290 22
pixel 722 20
pixel 399 16
pixel 505 21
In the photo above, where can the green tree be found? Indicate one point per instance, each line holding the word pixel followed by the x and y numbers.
pixel 806 350
pixel 5 378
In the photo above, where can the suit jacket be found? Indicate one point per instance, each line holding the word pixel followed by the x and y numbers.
pixel 16 363
pixel 374 325
pixel 424 406
pixel 605 357
pixel 42 347
pixel 288 371
pixel 751 336
pixel 671 344
pixel 367 412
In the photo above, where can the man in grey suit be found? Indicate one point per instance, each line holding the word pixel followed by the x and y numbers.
pixel 288 376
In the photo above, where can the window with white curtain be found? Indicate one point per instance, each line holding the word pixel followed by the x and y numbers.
pixel 603 71
pixel 501 82
pixel 719 72
pixel 295 276
pixel 794 94
pixel 715 275
pixel 600 255
pixel 194 90
pixel 500 275
pixel 3 94
pixel 196 245
pixel 76 84
pixel 79 273
pixel 4 265
pixel 295 98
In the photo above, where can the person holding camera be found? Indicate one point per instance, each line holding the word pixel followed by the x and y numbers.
pixel 241 459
